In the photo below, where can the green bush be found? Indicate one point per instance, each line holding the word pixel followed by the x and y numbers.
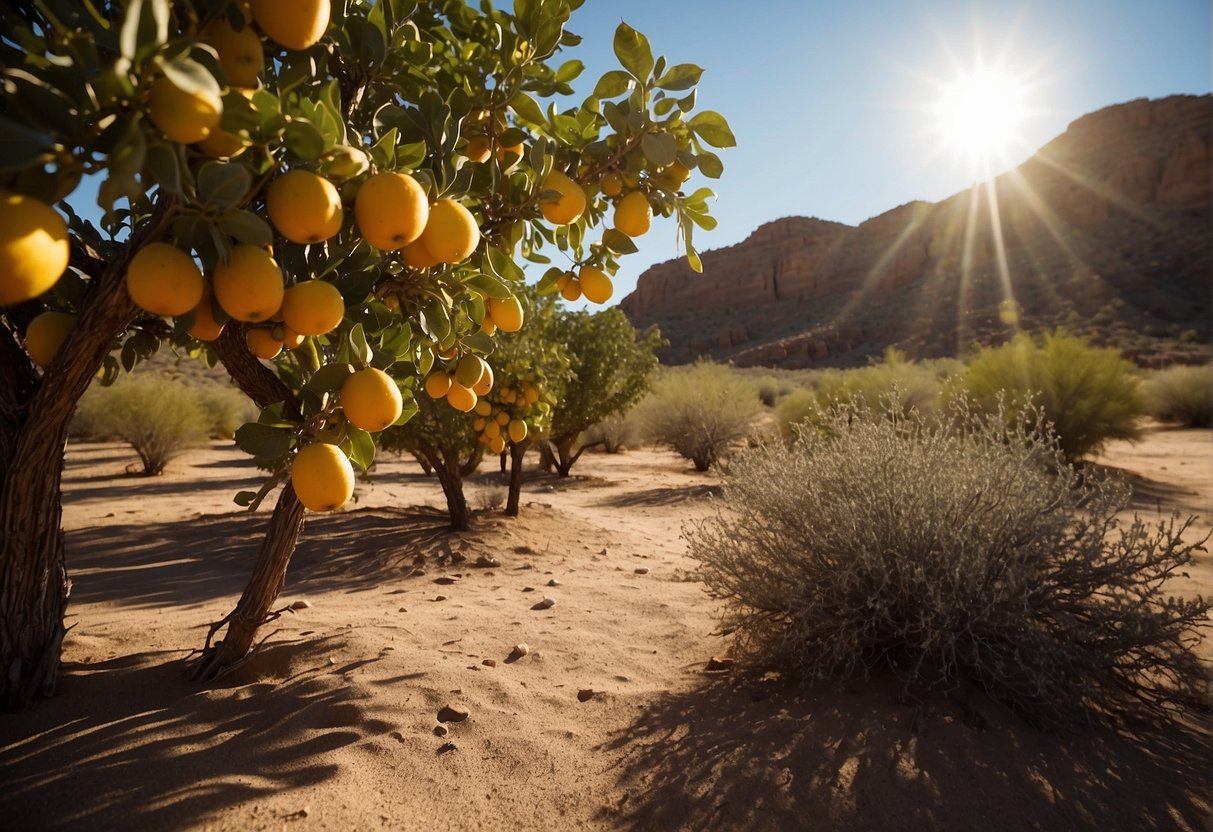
pixel 700 412
pixel 614 434
pixel 159 417
pixel 225 409
pixel 1181 394
pixel 950 550
pixel 1088 394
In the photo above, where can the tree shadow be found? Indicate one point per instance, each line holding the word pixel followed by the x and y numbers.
pixel 663 496
pixel 763 756
pixel 130 744
pixel 1149 496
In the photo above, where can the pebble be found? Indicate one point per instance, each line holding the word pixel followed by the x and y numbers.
pixel 402 609
pixel 439 597
pixel 452 713
pixel 447 746
pixel 518 652
pixel 528 589
pixel 545 604
pixel 486 562
pixel 641 570
pixel 489 662
pixel 717 664
pixel 445 580
pixel 301 605
pixel 553 582
pixel 585 695
pixel 441 730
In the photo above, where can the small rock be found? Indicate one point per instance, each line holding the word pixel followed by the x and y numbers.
pixel 489 662
pixel 439 597
pixel 458 558
pixel 446 747
pixel 517 653
pixel 553 582
pixel 332 661
pixel 486 562
pixel 717 664
pixel 402 609
pixel 301 605
pixel 545 604
pixel 641 570
pixel 452 713
pixel 441 730
pixel 396 735
pixel 603 552
pixel 528 589
pixel 445 580
pixel 417 572
pixel 585 695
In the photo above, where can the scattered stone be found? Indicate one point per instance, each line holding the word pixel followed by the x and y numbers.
pixel 445 580
pixel 486 562
pixel 517 653
pixel 417 572
pixel 458 557
pixel 524 550
pixel 439 597
pixel 528 589
pixel 489 662
pixel 585 695
pixel 545 604
pixel 641 570
pixel 299 815
pixel 332 661
pixel 716 664
pixel 452 713
pixel 301 605
pixel 553 582
pixel 402 609
pixel 396 735
pixel 441 730
pixel 447 746
pixel 527 566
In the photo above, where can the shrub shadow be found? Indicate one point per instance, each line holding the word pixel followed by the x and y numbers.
pixel 762 756
pixel 663 496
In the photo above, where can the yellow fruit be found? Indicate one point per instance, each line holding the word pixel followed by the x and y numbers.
pixel 485 384
pixel 570 203
pixel 633 214
pixel 45 334
pixel 33 248
pixel 447 353
pixel 391 209
pixel 478 424
pixel 451 234
pixel 531 395
pixel 437 384
pixel 477 149
pixel 304 207
pixel 509 156
pixel 469 370
pixel 164 280
pixel 205 327
pixel 313 307
pixel 295 24
pixel 417 257
pixel 291 340
pixel 518 430
pixel 322 477
pixel 249 287
pixel 487 326
pixel 392 302
pixel 506 313
pixel 240 53
pixel 492 429
pixel 672 176
pixel 461 398
pixel 563 280
pixel 612 185
pixel 262 343
pixel 497 444
pixel 184 117
pixel 483 408
pixel 502 418
pixel 371 400
pixel 595 284
pixel 571 290
pixel 222 144
pixel 345 163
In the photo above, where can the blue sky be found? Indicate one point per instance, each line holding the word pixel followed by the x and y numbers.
pixel 831 102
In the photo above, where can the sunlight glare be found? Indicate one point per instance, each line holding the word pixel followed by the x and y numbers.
pixel 980 115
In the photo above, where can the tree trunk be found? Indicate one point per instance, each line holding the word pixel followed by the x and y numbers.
pixel 517 453
pixel 564 454
pixel 547 460
pixel 34 415
pixel 452 487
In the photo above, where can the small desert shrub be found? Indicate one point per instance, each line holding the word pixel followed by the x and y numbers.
pixel 225 409
pixel 158 417
pixel 950 550
pixel 1089 394
pixel 492 498
pixel 1181 394
pixel 614 433
pixel 699 412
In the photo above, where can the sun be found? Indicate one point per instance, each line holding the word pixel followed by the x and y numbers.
pixel 980 115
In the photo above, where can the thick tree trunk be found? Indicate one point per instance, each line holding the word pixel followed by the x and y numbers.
pixel 34 415
pixel 517 453
pixel 562 450
pixel 452 489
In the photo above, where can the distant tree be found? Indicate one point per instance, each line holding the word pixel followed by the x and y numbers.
pixel 611 367
pixel 700 412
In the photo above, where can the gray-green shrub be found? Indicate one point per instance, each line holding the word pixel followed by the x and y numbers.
pixel 613 434
pixel 1183 395
pixel 700 412
pixel 950 550
pixel 1089 394
pixel 159 417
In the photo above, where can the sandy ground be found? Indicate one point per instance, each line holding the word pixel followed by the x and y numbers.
pixel 611 721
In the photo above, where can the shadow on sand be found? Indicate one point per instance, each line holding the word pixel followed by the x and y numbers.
pixel 762 756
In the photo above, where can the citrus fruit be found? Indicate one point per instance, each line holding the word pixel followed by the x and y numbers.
pixel 469 370
pixel 461 398
pixel 313 307
pixel 595 284
pixel 568 206
pixel 46 333
pixel 249 287
pixel 262 343
pixel 322 477
pixel 417 257
pixel 185 117
pixel 611 184
pixel 437 384
pixel 506 313
pixel 517 430
pixel 240 53
pixel 371 400
pixel 295 24
pixel 571 290
pixel 33 248
pixel 304 207
pixel 205 327
pixel 391 209
pixel 164 280
pixel 451 233
pixel 633 214
pixel 485 384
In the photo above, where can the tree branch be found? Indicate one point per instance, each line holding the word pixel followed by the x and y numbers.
pixel 256 380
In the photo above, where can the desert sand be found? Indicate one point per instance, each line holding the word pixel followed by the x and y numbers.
pixel 612 719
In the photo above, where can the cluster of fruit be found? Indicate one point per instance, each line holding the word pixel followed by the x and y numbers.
pixel 507 416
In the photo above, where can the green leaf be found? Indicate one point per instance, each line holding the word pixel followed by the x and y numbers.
pixel 527 110
pixel 488 285
pixel 410 155
pixel 634 53
pixel 710 164
pixel 192 77
pixel 612 84
pixel 359 446
pixel 304 140
pixel 569 71
pixel 713 129
pixel 246 227
pixel 360 350
pixel 547 284
pixel 264 442
pixel 618 242
pixel 20 145
pixel 143 29
pixel 223 184
pixel 329 378
pixel 680 77
pixel 659 148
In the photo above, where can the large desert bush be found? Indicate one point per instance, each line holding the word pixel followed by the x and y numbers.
pixel 158 416
pixel 951 550
pixel 1089 394
pixel 1181 394
pixel 700 412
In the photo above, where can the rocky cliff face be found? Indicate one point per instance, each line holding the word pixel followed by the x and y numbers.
pixel 1106 230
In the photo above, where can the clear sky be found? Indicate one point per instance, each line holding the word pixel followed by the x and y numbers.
pixel 832 102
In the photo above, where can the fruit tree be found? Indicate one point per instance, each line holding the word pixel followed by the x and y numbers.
pixel 325 197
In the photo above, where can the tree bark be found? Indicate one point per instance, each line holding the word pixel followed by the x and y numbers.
pixel 452 489
pixel 34 415
pixel 517 453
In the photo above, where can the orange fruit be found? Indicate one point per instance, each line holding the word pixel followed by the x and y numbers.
pixel 184 117
pixel 240 53
pixel 164 280
pixel 295 24
pixel 506 313
pixel 205 327
pixel 477 149
pixel 262 343
pixel 595 284
pixel 46 334
pixel 451 233
pixel 304 207
pixel 517 430
pixel 33 248
pixel 611 184
pixel 437 384
pixel 322 477
pixel 461 398
pixel 417 257
pixel 314 307
pixel 391 209
pixel 571 290
pixel 371 400
pixel 249 287
pixel 568 206
pixel 485 384
pixel 633 214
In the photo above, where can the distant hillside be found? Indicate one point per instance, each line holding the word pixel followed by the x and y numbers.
pixel 1107 230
